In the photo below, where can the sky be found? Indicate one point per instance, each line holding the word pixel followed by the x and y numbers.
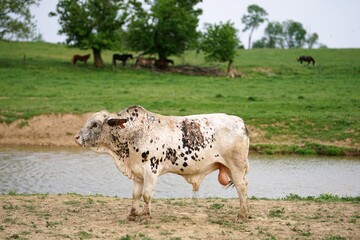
pixel 337 22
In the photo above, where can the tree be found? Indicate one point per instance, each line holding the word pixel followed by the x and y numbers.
pixel 312 39
pixel 261 43
pixel 140 30
pixel 288 34
pixel 169 28
pixel 253 20
pixel 16 20
pixel 274 32
pixel 94 24
pixel 293 34
pixel 219 43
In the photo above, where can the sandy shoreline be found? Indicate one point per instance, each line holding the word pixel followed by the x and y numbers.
pixel 46 130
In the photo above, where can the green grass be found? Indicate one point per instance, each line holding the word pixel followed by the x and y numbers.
pixel 324 197
pixel 276 94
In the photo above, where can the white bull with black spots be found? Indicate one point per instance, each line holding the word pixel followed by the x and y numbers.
pixel 146 145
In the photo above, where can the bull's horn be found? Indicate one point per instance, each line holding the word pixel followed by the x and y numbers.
pixel 116 122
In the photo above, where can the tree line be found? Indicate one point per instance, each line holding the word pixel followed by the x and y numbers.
pixel 155 27
pixel 287 34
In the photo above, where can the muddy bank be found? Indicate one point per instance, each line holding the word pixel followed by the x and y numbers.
pixel 58 130
pixel 85 217
pixel 45 130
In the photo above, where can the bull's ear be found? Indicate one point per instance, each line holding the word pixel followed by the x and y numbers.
pixel 116 122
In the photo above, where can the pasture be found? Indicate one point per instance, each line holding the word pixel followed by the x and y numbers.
pixel 287 102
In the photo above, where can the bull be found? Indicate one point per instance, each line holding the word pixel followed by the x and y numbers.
pixel 145 145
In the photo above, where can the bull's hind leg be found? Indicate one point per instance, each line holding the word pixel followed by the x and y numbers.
pixel 238 174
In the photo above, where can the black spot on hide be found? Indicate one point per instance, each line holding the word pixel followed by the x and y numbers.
pixel 192 136
pixel 144 155
pixel 171 155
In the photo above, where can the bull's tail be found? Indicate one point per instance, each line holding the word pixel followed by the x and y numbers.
pixel 229 185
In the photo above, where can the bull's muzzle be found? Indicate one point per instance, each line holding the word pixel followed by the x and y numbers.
pixel 78 140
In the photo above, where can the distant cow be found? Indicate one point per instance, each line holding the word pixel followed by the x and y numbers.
pixel 80 58
pixel 145 145
pixel 163 63
pixel 121 57
pixel 145 62
pixel 308 59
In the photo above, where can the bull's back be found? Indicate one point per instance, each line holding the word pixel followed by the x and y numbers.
pixel 200 142
pixel 216 132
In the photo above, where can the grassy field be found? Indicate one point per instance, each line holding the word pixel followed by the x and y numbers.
pixel 319 104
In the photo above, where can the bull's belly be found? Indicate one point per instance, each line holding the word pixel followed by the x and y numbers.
pixel 189 167
pixel 193 173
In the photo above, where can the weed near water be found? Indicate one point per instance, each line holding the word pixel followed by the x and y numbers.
pixel 324 197
pixel 304 149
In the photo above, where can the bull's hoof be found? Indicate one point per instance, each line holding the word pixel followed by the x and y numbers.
pixel 242 218
pixel 132 218
pixel 143 218
pixel 139 218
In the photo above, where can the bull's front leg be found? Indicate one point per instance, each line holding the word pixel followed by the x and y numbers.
pixel 150 180
pixel 137 192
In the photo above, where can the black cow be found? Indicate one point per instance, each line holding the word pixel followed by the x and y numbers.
pixel 308 59
pixel 123 58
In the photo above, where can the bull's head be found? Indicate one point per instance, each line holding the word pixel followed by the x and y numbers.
pixel 95 133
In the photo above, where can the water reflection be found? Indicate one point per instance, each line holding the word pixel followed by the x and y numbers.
pixel 85 172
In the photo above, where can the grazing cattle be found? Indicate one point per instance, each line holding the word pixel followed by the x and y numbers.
pixel 145 62
pixel 145 145
pixel 308 59
pixel 80 58
pixel 163 63
pixel 121 57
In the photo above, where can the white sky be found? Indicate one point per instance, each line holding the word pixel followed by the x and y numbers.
pixel 336 21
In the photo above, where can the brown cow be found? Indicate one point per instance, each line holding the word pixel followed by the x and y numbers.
pixel 80 58
pixel 145 62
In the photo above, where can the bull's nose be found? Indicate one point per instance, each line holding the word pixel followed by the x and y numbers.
pixel 77 139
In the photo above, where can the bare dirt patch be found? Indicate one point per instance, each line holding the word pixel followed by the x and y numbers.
pixel 44 130
pixel 85 217
pixel 265 70
pixel 202 71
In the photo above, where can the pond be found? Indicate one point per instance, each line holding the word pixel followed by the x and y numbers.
pixel 54 170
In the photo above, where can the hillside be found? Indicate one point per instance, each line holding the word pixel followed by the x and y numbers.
pixel 289 107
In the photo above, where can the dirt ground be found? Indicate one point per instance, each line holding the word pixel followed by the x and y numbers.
pixel 45 130
pixel 85 217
